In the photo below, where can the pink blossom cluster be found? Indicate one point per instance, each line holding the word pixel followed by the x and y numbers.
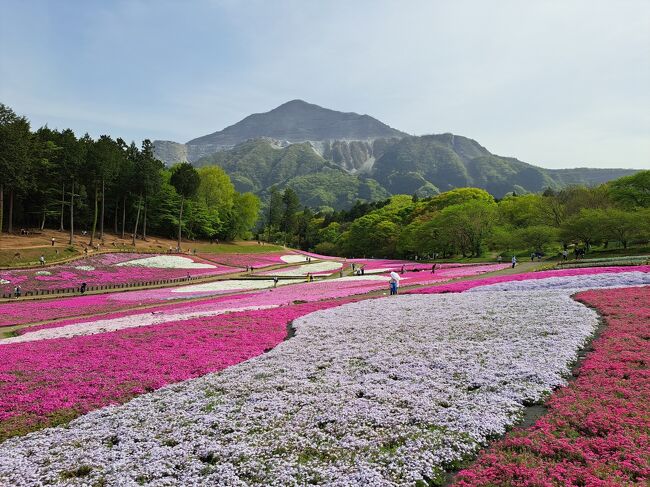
pixel 49 381
pixel 597 430
pixel 457 287
pixel 100 270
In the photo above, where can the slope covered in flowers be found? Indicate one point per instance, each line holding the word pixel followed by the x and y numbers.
pixel 597 430
pixel 108 269
pixel 379 392
pixel 48 381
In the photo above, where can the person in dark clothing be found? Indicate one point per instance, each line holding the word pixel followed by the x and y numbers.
pixel 83 287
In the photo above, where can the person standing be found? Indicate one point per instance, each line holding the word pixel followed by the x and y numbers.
pixel 433 269
pixel 514 261
pixel 565 254
pixel 394 282
pixel 499 259
pixel 41 259
pixel 53 239
pixel 83 287
pixel 18 291
pixel 275 281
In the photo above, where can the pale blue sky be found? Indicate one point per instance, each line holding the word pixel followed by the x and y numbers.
pixel 554 83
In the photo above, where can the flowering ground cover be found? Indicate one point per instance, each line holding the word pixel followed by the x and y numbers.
pixel 413 387
pixel 461 286
pixel 36 311
pixel 47 382
pixel 243 260
pixel 597 430
pixel 325 267
pixel 16 313
pixel 107 269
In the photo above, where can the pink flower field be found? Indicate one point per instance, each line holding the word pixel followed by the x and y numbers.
pixel 597 430
pixel 101 270
pixel 47 382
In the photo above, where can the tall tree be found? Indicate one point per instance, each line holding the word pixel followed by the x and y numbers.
pixel 15 150
pixel 185 180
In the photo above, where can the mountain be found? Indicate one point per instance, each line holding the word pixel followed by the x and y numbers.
pixel 346 138
pixel 332 158
pixel 258 164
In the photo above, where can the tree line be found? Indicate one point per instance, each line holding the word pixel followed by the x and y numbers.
pixel 51 178
pixel 469 222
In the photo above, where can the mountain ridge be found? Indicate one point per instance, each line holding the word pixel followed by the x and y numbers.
pixel 357 156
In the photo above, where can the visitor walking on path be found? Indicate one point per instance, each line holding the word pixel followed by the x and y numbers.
pixel 53 239
pixel 83 287
pixel 514 261
pixel 433 268
pixel 41 259
pixel 499 259
pixel 17 292
pixel 275 281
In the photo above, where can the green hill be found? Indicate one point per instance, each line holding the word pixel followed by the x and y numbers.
pixel 425 165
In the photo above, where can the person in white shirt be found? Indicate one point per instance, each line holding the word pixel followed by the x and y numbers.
pixel 514 261
pixel 394 282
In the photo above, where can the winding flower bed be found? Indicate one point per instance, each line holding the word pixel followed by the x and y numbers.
pixel 412 388
pixel 597 430
pixel 46 382
pixel 108 269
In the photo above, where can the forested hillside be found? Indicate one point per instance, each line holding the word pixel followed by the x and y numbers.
pixel 52 178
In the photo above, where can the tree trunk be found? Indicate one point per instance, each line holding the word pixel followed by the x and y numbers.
pixel 43 220
pixel 144 222
pixel 10 220
pixel 115 219
pixel 101 220
pixel 2 204
pixel 137 219
pixel 71 242
pixel 62 206
pixel 92 234
pixel 123 214
pixel 180 224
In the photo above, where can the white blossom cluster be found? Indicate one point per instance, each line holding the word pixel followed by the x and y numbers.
pixel 381 392
pixel 315 268
pixel 166 262
pixel 293 258
pixel 230 285
pixel 571 283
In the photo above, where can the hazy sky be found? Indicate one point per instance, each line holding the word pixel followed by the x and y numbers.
pixel 554 83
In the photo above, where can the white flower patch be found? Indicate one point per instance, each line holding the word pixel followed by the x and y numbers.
pixel 114 324
pixel 230 285
pixel 85 268
pixel 381 392
pixel 166 262
pixel 315 268
pixel 571 283
pixel 37 273
pixel 293 258
pixel 4 281
pixel 365 277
